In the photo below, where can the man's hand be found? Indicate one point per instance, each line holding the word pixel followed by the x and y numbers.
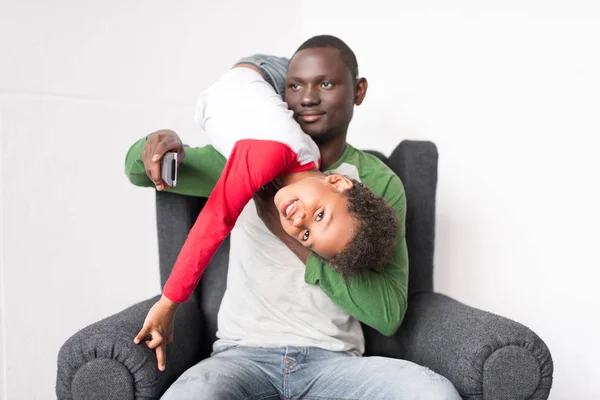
pixel 267 211
pixel 157 144
pixel 158 329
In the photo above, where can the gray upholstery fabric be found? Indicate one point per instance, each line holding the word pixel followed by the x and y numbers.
pixel 86 360
pixel 415 162
pixel 86 386
pixel 175 216
pixel 484 355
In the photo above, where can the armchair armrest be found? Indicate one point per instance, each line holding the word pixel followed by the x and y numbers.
pixel 484 355
pixel 102 362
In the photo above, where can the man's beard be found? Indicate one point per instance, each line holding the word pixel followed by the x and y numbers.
pixel 321 138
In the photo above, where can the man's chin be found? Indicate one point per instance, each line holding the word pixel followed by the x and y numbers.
pixel 316 132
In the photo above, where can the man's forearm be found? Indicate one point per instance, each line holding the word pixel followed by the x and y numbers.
pixel 378 299
pixel 197 174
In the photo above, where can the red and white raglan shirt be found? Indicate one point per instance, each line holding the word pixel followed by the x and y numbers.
pixel 250 125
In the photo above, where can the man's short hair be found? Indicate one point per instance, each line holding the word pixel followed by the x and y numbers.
pixel 332 42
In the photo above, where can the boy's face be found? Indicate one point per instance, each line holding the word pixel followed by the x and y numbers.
pixel 314 211
pixel 320 91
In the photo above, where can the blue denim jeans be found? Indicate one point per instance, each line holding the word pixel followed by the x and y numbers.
pixel 306 373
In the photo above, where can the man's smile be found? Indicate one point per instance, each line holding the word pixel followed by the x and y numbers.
pixel 310 116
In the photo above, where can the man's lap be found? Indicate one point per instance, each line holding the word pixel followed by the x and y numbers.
pixel 307 373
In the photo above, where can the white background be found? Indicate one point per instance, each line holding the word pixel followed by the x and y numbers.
pixel 508 90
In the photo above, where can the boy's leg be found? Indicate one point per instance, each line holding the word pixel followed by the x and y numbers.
pixel 337 376
pixel 231 374
pixel 241 105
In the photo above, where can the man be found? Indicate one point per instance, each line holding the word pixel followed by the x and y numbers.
pixel 288 323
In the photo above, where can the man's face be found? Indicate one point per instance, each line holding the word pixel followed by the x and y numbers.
pixel 320 91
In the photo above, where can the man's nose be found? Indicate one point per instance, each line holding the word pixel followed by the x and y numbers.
pixel 310 97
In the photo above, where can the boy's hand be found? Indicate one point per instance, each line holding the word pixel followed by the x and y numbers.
pixel 158 329
pixel 157 144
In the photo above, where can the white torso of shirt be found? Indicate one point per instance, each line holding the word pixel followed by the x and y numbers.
pixel 268 304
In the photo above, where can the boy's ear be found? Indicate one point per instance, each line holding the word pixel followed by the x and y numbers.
pixel 340 182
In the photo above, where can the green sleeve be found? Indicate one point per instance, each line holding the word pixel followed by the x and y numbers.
pixel 378 299
pixel 196 176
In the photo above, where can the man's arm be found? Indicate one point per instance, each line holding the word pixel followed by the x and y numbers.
pixel 378 299
pixel 196 176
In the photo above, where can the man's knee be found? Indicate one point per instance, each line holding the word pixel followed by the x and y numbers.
pixel 219 378
pixel 437 387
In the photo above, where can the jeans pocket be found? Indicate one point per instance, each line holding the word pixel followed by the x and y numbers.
pixel 221 349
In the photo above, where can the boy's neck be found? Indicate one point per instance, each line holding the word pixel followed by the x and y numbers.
pixel 296 176
pixel 331 151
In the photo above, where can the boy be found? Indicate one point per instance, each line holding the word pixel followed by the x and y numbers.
pixel 339 219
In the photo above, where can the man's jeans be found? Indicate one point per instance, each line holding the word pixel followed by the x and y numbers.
pixel 306 373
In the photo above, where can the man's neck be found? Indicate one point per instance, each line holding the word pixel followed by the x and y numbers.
pixel 331 151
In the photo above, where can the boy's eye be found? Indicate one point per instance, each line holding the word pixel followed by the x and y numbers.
pixel 320 216
pixel 305 236
pixel 326 84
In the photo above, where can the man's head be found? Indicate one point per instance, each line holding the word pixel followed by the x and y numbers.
pixel 323 86
pixel 340 220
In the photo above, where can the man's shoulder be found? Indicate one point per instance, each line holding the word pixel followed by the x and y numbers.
pixel 372 171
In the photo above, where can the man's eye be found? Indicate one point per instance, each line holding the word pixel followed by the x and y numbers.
pixel 320 216
pixel 326 85
pixel 305 236
pixel 294 86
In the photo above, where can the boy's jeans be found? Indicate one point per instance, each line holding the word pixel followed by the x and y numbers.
pixel 306 373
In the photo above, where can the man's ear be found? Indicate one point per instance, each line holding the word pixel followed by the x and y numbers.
pixel 361 90
pixel 340 182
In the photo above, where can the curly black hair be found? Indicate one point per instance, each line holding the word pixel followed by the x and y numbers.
pixel 376 233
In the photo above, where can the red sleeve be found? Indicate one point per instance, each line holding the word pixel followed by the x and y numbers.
pixel 252 164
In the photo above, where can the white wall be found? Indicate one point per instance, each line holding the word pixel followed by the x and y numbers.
pixel 508 90
pixel 2 324
pixel 79 82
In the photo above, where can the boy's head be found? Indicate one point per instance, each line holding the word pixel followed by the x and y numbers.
pixel 340 220
pixel 322 87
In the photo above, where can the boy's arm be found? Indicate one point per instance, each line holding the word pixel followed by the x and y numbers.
pixel 251 165
pixel 196 176
pixel 378 299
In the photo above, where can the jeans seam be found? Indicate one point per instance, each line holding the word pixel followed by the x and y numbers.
pixel 265 395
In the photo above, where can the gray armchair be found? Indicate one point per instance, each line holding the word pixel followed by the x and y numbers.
pixel 486 356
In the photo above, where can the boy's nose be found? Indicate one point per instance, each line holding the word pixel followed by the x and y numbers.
pixel 298 219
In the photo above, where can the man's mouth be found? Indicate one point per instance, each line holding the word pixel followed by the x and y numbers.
pixel 288 208
pixel 310 116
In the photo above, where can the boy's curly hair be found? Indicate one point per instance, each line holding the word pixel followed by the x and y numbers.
pixel 376 233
